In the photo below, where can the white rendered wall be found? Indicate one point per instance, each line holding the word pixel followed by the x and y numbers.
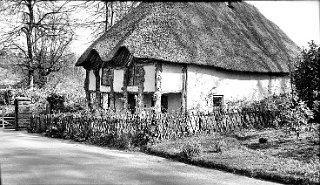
pixel 171 78
pixel 118 80
pixel 234 86
pixel 92 81
pixel 149 78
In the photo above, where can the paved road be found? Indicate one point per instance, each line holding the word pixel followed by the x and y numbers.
pixel 32 159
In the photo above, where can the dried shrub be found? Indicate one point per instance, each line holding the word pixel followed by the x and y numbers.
pixel 56 102
pixel 218 146
pixel 140 139
pixel 191 149
pixel 57 129
pixel 102 139
pixel 285 109
pixel 124 141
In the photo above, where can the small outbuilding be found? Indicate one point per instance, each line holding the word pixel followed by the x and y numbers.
pixel 180 56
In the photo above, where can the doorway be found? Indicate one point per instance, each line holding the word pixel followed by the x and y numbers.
pixel 164 103
pixel 131 103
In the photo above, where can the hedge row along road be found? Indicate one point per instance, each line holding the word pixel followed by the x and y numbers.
pixel 33 159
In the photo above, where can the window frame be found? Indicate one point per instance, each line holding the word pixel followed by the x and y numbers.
pixel 133 75
pixel 215 105
pixel 107 76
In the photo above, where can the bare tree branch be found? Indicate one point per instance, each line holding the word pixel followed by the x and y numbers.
pixel 43 34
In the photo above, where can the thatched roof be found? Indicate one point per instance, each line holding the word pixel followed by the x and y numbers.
pixel 203 33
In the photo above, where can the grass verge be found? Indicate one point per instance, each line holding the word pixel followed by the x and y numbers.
pixel 283 158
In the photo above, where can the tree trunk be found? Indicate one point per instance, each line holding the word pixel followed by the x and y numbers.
pixel 112 12
pixel 29 45
pixel 158 91
pixel 107 16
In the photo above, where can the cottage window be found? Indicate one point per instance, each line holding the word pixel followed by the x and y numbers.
pixel 217 101
pixel 106 76
pixel 133 75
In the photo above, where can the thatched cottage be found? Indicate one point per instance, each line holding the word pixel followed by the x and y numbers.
pixel 182 56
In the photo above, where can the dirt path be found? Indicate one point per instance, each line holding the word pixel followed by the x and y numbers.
pixel 31 159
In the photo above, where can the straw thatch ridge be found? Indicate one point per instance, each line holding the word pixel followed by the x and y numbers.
pixel 206 33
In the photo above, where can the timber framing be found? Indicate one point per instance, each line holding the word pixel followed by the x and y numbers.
pixel 86 88
pixel 98 93
pixel 184 89
pixel 124 88
pixel 141 80
pixel 158 91
pixel 112 105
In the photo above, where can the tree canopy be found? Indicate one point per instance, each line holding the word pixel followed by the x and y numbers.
pixel 306 77
pixel 40 32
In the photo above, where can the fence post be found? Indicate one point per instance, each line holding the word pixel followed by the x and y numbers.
pixel 16 108
pixel 2 117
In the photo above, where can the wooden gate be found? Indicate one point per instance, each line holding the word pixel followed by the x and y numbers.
pixel 7 121
pixel 7 117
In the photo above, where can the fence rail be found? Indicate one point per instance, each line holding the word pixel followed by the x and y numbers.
pixel 5 119
pixel 162 126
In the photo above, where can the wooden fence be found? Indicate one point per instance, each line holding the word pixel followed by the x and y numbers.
pixel 161 126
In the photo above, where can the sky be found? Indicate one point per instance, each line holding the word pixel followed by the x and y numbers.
pixel 298 19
